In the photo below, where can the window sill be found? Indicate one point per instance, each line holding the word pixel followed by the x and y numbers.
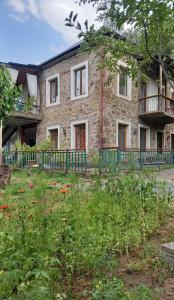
pixel 124 97
pixel 79 97
pixel 52 104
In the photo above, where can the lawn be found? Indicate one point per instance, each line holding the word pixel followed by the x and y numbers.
pixel 64 237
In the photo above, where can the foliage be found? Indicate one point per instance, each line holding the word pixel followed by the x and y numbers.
pixel 28 105
pixel 48 238
pixel 149 37
pixel 9 93
pixel 45 145
pixel 115 290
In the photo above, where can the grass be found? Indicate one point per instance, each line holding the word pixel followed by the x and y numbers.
pixel 61 236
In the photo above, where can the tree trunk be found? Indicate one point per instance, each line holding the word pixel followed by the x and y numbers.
pixel 5 175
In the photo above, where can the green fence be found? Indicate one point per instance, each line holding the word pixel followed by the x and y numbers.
pixel 63 160
pixel 112 159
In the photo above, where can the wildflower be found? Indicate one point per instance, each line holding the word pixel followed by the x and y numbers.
pixel 4 206
pixel 30 185
pixel 64 191
pixel 68 185
pixel 21 191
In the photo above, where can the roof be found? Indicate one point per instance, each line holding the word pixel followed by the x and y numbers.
pixel 63 55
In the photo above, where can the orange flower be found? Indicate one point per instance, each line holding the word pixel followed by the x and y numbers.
pixel 64 191
pixel 53 183
pixel 4 206
pixel 21 191
pixel 68 185
pixel 30 185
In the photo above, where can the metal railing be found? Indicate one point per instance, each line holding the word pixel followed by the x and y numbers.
pixel 156 103
pixel 22 107
pixel 112 159
pixel 63 160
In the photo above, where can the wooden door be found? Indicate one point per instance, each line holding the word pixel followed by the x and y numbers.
pixel 122 135
pixel 143 132
pixel 80 136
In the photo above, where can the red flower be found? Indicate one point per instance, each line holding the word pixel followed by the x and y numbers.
pixel 68 185
pixel 5 206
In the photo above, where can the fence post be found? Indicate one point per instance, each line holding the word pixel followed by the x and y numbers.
pixel 66 161
pixel 118 157
pixel 140 159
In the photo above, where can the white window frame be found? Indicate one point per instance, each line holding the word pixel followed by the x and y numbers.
pixel 73 69
pixel 129 130
pixel 147 135
pixel 48 79
pixel 52 128
pixel 129 83
pixel 73 124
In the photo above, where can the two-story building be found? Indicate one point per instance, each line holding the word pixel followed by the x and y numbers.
pixel 76 110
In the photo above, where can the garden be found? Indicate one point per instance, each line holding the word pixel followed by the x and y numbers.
pixel 67 237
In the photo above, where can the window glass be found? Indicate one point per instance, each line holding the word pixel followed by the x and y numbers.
pixel 123 76
pixel 53 90
pixel 80 81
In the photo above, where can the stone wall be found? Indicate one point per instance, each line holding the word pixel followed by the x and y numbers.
pixel 115 108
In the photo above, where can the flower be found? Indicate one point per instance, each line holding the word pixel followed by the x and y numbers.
pixel 21 191
pixel 64 191
pixel 68 185
pixel 5 206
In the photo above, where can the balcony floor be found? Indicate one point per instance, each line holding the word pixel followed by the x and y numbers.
pixel 22 119
pixel 157 117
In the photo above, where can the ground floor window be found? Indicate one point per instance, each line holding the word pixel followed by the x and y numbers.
pixel 122 136
pixel 79 135
pixel 143 134
pixel 53 134
pixel 160 140
pixel 172 141
pixel 28 135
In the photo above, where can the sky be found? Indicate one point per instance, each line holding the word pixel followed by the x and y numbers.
pixel 33 31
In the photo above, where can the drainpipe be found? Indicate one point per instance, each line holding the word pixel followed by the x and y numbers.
pixel 101 107
pixel 160 106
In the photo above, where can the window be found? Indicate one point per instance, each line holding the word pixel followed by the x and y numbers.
pixel 53 133
pixel 143 89
pixel 123 134
pixel 79 81
pixel 53 90
pixel 123 82
pixel 143 134
pixel 143 137
pixel 79 135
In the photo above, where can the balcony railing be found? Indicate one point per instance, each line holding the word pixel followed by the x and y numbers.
pixel 156 103
pixel 23 107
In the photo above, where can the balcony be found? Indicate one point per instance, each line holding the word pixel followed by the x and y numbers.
pixel 24 114
pixel 156 109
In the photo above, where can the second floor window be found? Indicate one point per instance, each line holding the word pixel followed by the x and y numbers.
pixel 123 82
pixel 80 81
pixel 53 90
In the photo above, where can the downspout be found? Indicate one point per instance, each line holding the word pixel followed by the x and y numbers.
pixel 101 108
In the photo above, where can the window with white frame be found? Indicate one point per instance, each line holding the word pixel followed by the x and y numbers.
pixel 53 90
pixel 123 134
pixel 79 135
pixel 144 137
pixel 124 82
pixel 53 133
pixel 79 81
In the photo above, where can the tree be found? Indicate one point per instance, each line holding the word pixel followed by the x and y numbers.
pixel 148 39
pixel 9 96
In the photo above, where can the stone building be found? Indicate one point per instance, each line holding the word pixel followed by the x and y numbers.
pixel 76 110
